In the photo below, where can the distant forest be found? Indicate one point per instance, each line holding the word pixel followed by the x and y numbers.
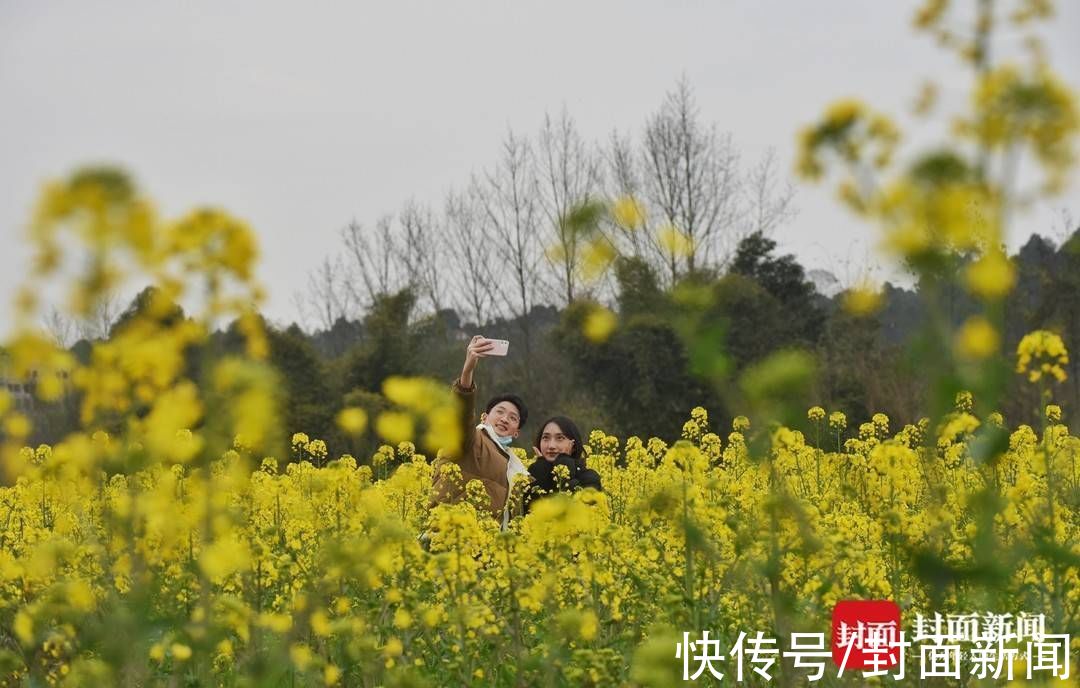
pixel 640 380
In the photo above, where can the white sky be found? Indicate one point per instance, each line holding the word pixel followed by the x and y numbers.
pixel 300 116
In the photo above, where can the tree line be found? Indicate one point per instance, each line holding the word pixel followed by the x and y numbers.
pixel 642 379
pixel 500 244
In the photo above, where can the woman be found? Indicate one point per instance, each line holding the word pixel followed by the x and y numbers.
pixel 558 443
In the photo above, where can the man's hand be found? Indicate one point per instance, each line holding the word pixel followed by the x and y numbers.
pixel 478 348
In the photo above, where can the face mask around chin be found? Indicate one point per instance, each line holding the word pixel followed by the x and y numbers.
pixel 504 441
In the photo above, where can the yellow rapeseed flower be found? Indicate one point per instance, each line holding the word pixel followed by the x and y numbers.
pixel 331 675
pixel 1042 353
pixel 597 256
pixel 977 339
pixel 991 277
pixel 320 623
pixel 394 426
pixel 599 324
pixel 352 420
pixel 81 596
pixel 224 557
pixel 863 300
pixel 402 618
pixel 393 647
pixel 301 656
pixel 964 401
pixel 590 625
pixel 837 421
pixel 23 627
pixel 411 392
pixel 279 623
pixel 17 425
pixel 1053 413
pixel 1034 108
pixel 180 652
pixel 628 212
pixel 675 241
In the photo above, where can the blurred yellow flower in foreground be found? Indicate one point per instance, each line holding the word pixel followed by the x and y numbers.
pixel 991 277
pixel 977 339
pixel 675 241
pixel 394 426
pixel 599 324
pixel 863 300
pixel 352 420
pixel 628 212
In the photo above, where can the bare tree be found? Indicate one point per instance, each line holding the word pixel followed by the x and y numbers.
pixel 510 209
pixel 1064 227
pixel 372 268
pixel 472 271
pixel 624 180
pixel 328 297
pixel 511 222
pixel 568 174
pixel 624 173
pixel 418 251
pixel 508 199
pixel 97 324
pixel 60 327
pixel 857 267
pixel 769 202
pixel 691 177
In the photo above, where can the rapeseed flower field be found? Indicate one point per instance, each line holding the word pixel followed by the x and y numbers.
pixel 249 570
pixel 184 536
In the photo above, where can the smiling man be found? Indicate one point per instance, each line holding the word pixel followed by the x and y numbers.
pixel 485 453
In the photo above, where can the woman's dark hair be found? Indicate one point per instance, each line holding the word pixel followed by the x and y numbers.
pixel 568 428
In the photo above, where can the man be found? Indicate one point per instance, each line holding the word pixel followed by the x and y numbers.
pixel 485 453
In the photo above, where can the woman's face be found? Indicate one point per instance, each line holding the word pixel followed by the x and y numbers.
pixel 553 441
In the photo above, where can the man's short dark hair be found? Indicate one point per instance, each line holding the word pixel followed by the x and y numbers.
pixel 523 413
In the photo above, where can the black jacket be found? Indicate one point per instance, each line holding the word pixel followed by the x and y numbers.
pixel 545 481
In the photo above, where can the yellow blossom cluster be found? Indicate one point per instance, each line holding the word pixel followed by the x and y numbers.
pixel 944 212
pixel 329 574
pixel 1042 354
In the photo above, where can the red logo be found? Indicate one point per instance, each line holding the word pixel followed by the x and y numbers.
pixel 866 634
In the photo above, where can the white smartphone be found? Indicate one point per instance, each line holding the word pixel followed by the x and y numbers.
pixel 499 348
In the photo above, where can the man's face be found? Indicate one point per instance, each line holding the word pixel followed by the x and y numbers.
pixel 504 418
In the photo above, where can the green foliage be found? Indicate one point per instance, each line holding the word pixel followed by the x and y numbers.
pixel 309 404
pixel 639 288
pixel 389 344
pixel 785 280
pixel 643 374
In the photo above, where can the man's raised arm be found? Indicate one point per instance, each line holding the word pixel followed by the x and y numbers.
pixel 465 388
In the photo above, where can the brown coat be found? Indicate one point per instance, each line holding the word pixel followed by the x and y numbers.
pixel 480 458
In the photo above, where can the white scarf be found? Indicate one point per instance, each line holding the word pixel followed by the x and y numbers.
pixel 514 467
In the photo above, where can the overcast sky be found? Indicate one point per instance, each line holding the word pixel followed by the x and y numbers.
pixel 300 116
